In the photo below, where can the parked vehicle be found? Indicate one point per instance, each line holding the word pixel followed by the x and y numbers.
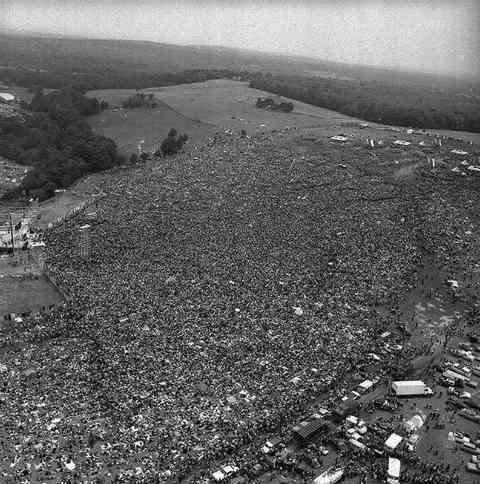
pixel 414 388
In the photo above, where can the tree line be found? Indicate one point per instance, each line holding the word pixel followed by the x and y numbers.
pixel 57 142
pixel 109 78
pixel 387 103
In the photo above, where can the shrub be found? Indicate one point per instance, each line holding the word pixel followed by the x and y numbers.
pixel 173 143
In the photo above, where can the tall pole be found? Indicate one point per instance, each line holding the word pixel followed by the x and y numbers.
pixel 11 235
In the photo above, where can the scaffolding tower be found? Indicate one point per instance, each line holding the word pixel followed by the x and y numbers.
pixel 84 242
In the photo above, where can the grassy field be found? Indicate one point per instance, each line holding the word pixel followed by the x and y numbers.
pixel 129 127
pixel 199 110
pixel 232 104
pixel 202 108
pixel 18 295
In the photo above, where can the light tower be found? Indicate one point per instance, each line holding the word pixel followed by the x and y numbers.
pixel 140 147
pixel 84 242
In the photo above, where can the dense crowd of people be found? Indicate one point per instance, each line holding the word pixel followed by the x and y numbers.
pixel 225 290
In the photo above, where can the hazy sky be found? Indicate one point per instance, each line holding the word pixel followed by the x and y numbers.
pixel 431 35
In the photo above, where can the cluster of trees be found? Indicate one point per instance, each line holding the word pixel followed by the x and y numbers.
pixel 172 144
pixel 397 104
pixel 57 142
pixel 70 98
pixel 139 100
pixel 269 103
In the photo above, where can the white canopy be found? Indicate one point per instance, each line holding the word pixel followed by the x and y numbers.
pixel 6 96
pixel 366 384
pixel 393 441
pixel 394 467
pixel 330 476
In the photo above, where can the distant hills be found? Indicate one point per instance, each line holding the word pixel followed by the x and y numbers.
pixel 371 93
pixel 80 57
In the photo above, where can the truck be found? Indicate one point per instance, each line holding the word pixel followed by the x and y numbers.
pixel 413 388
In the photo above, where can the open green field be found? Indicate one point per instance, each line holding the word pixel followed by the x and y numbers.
pixel 200 109
pixel 24 295
pixel 231 104
pixel 129 127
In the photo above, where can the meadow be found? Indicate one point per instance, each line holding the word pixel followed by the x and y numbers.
pixel 19 295
pixel 200 109
pixel 128 127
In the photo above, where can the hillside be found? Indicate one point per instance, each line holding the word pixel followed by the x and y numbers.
pixel 200 109
pixel 129 128
pixel 109 61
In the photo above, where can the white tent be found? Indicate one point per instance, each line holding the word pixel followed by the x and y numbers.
pixel 218 476
pixel 6 96
pixel 394 467
pixel 393 441
pixel 366 385
pixel 415 423
pixel 357 444
pixel 330 476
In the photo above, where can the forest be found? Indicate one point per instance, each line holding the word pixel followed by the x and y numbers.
pixel 108 78
pixel 388 103
pixel 57 142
